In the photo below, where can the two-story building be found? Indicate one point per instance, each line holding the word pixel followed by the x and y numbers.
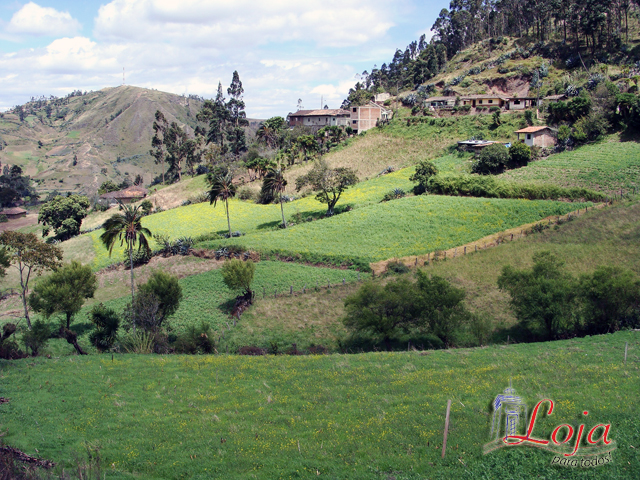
pixel 317 119
pixel 364 117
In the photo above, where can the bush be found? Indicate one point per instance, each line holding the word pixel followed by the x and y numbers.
pixel 424 171
pixel 140 257
pixel 397 267
pixel 238 275
pixel 37 338
pixel 140 342
pixel 167 291
pixel 147 207
pixel 393 194
pixel 491 187
pixel 519 155
pixel 196 340
pixel 611 300
pixel 107 323
pixel 245 193
pixel 543 298
pixel 491 160
pixel 3 218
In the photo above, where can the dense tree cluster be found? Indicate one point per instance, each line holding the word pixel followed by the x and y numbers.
pixel 15 186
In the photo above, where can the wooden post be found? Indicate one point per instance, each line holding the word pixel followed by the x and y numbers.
pixel 275 293
pixel 512 237
pixel 476 245
pixel 416 264
pixel 304 289
pixel 465 250
pixel 445 254
pixel 455 252
pixel 626 344
pixel 290 289
pixel 328 284
pixel 446 428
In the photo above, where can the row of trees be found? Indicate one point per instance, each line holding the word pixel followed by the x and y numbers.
pixel 548 303
pixel 594 22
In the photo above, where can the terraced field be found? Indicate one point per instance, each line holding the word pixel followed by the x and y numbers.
pixel 608 166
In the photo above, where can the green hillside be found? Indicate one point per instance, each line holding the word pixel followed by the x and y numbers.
pixel 370 416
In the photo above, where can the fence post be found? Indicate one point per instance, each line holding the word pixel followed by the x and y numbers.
pixel 275 293
pixel 626 344
pixel 290 289
pixel 476 245
pixel 465 250
pixel 446 428
pixel 343 281
pixel 304 289
pixel 328 284
pixel 512 237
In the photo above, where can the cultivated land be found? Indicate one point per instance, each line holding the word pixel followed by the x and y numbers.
pixel 369 416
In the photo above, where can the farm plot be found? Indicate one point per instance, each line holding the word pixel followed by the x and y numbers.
pixel 606 167
pixel 370 416
pixel 408 226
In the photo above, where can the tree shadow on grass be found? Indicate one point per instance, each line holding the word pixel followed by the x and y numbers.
pixel 81 328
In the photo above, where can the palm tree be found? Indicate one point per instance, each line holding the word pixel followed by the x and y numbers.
pixel 221 188
pixel 274 182
pixel 127 228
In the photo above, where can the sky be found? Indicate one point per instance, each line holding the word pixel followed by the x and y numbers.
pixel 283 50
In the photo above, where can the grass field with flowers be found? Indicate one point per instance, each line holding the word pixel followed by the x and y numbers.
pixel 370 416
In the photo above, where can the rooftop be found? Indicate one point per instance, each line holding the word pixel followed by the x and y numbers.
pixel 532 129
pixel 322 112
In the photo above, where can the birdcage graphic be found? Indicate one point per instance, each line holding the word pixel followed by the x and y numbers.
pixel 514 409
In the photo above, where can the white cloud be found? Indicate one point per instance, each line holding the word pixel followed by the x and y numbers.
pixel 242 23
pixel 32 19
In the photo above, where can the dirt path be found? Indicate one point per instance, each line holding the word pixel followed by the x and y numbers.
pixel 29 220
pixel 480 244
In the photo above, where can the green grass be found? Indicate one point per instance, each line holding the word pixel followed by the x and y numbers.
pixel 606 166
pixel 207 299
pixel 445 132
pixel 73 134
pixel 407 226
pixel 371 416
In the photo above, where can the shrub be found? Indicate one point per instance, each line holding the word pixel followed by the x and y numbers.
pixel 424 171
pixel 197 339
pixel 238 275
pixel 3 218
pixel 519 155
pixel 167 291
pixel 491 187
pixel 140 257
pixel 528 116
pixel 37 338
pixel 245 193
pixel 107 323
pixel 393 194
pixel 140 342
pixel 611 299
pixel 397 267
pixel 147 207
pixel 543 298
pixel 491 160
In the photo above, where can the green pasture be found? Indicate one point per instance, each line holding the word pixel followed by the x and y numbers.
pixel 369 416
pixel 606 166
pixel 403 227
pixel 372 231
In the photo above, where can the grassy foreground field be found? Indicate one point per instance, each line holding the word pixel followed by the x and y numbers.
pixel 371 416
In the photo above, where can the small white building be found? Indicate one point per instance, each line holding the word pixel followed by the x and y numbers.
pixel 542 136
pixel 319 118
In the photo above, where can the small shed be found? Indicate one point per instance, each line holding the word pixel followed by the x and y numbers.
pixel 15 212
pixel 128 195
pixel 555 98
pixel 542 136
pixel 474 145
pixel 441 102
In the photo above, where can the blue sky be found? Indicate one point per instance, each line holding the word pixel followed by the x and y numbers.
pixel 283 49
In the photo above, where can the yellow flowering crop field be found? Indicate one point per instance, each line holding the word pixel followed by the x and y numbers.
pixel 369 416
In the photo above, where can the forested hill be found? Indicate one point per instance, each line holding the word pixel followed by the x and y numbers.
pixel 569 33
pixel 77 142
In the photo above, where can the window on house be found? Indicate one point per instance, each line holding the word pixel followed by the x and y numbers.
pixel 355 121
pixel 479 101
pixel 355 109
pixel 528 136
pixel 490 101
pixel 517 102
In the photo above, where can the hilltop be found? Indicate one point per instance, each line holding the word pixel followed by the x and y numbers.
pixel 92 137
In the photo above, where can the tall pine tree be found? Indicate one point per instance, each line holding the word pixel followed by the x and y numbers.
pixel 237 116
